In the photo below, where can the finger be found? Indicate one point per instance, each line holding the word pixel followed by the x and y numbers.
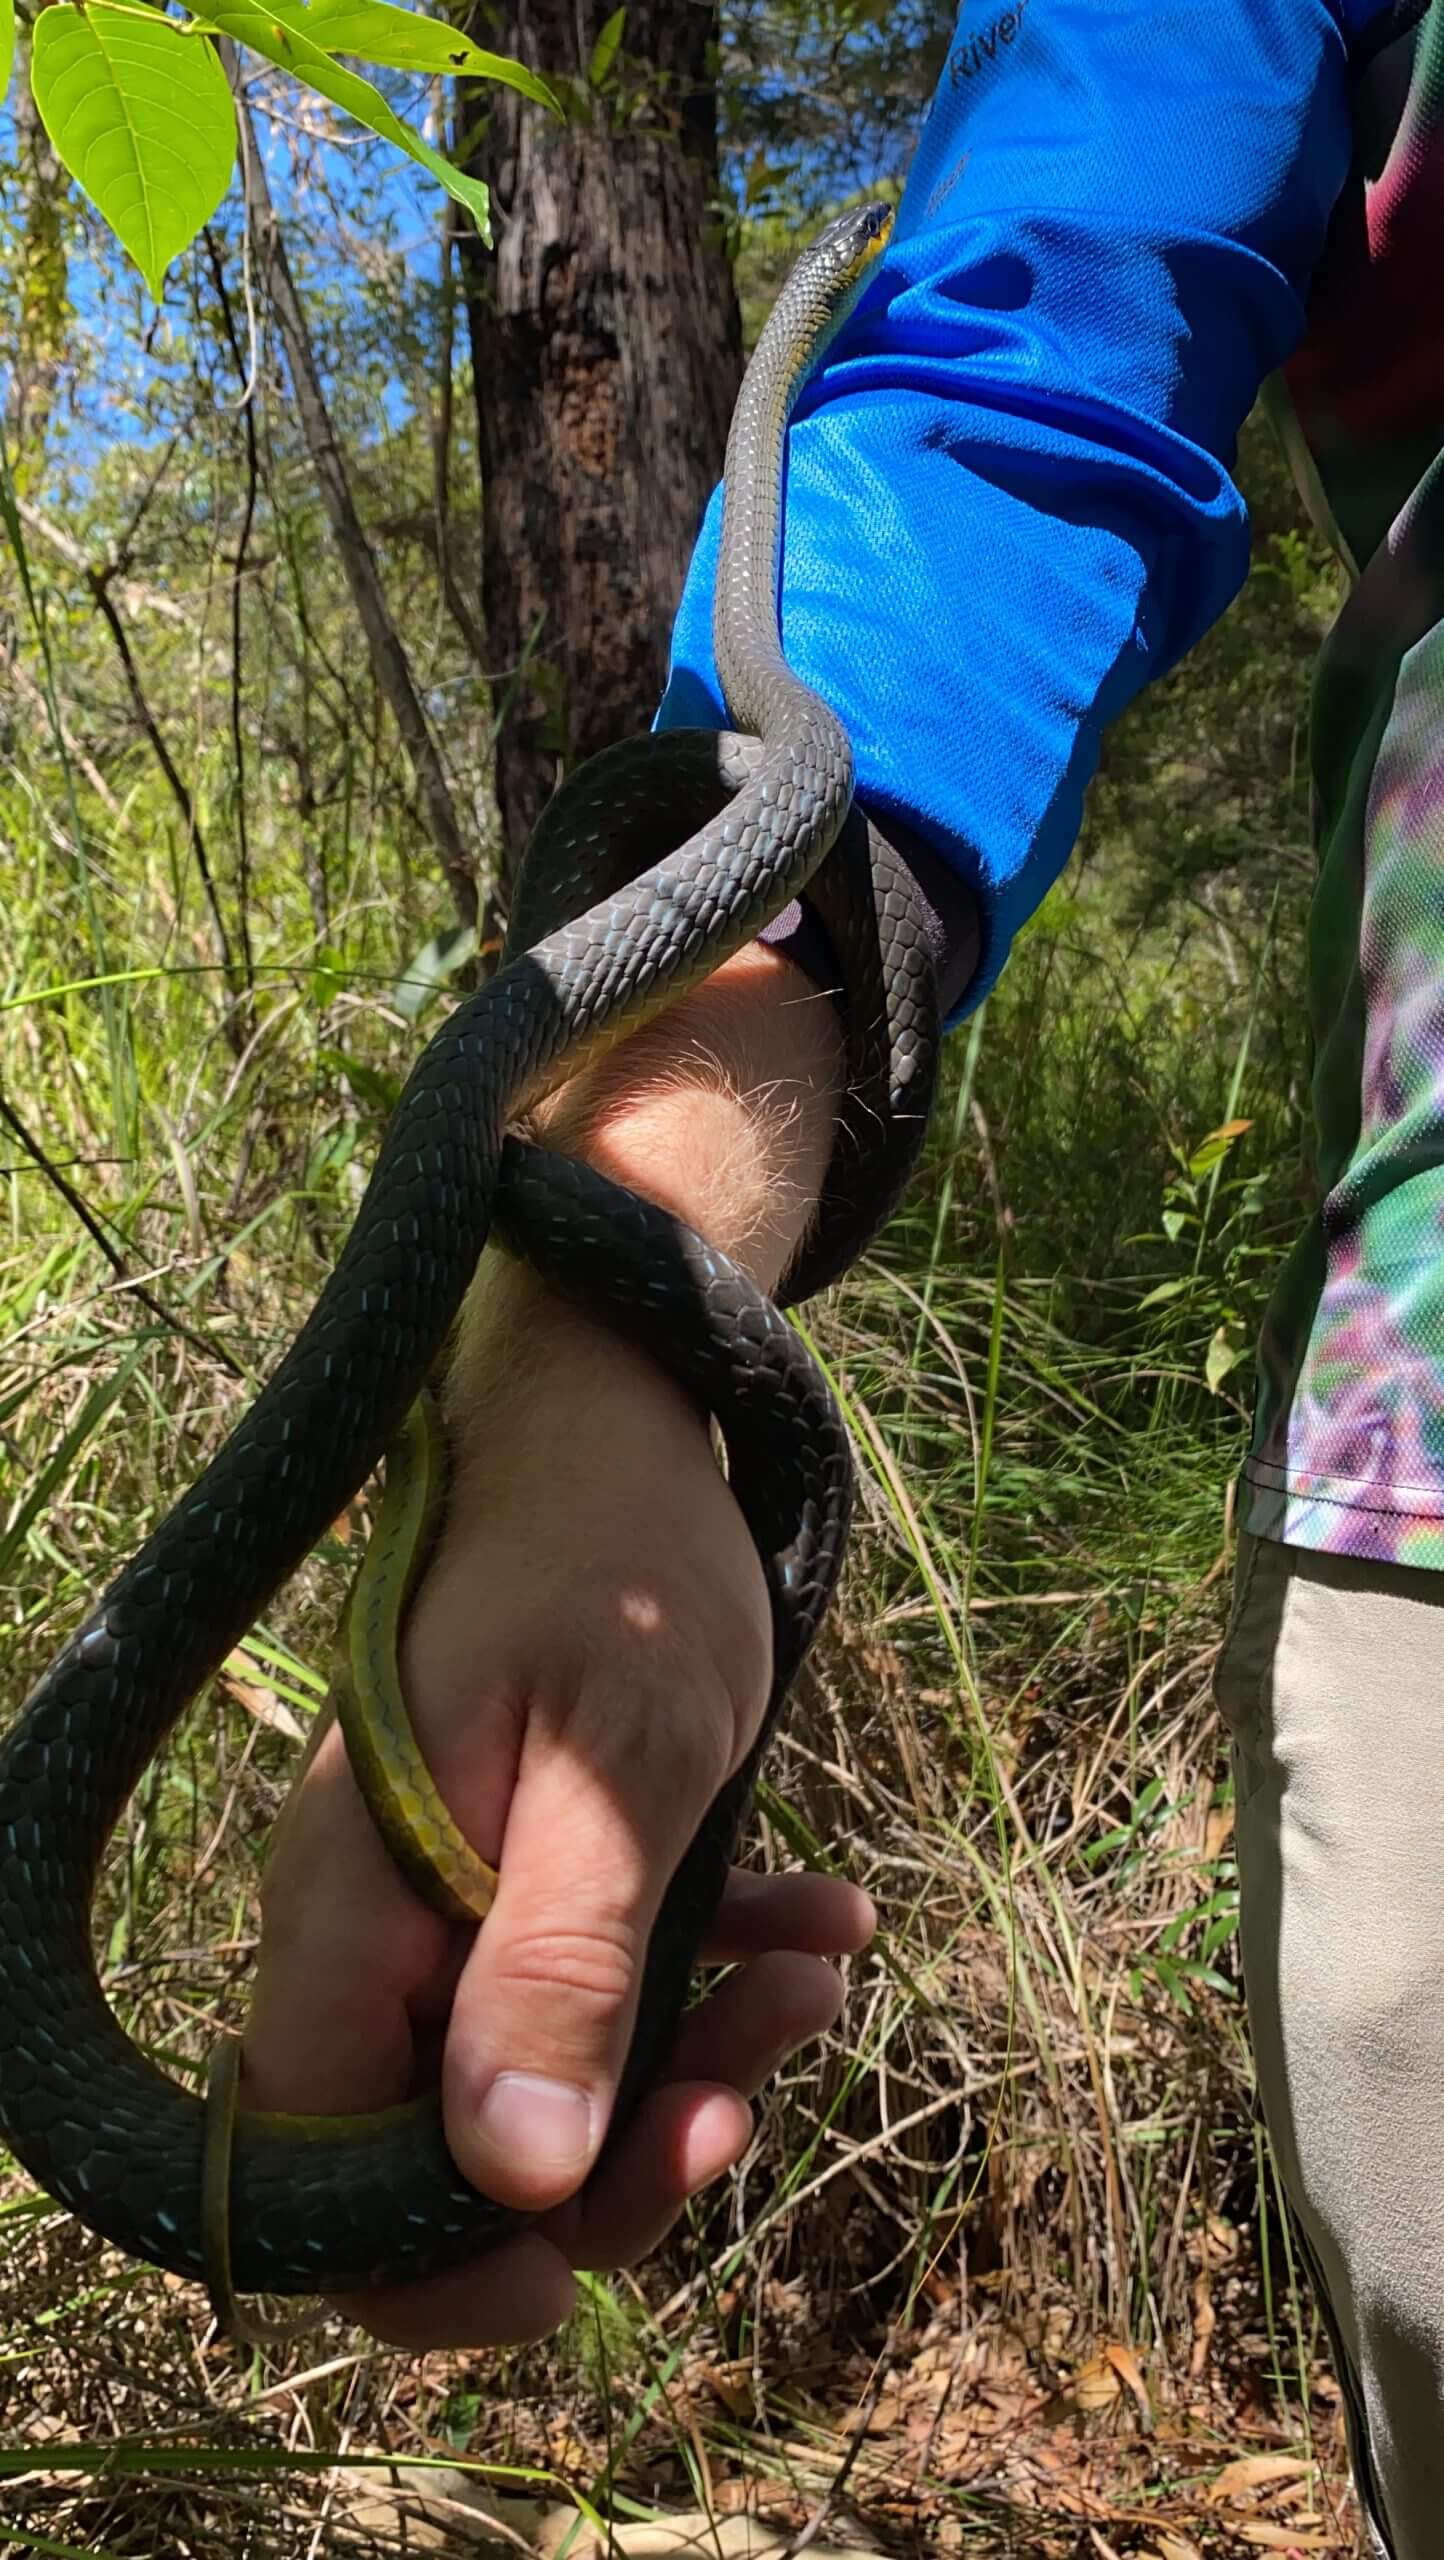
pixel 544 2008
pixel 755 2020
pixel 692 2131
pixel 683 2140
pixel 819 1915
pixel 346 1949
pixel 684 2137
pixel 514 2296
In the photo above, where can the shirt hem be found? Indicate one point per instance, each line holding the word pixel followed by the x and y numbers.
pixel 1337 1515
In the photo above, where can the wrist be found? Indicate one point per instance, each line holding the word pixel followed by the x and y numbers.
pixel 722 1110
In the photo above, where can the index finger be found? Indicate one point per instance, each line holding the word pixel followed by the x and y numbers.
pixel 350 1961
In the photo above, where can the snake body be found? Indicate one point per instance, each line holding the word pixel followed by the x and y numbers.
pixel 610 925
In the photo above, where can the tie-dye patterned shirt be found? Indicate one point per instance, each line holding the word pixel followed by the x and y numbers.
pixel 1348 1450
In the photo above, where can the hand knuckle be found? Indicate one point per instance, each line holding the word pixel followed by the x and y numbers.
pixel 594 1963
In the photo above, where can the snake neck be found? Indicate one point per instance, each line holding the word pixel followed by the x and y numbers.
pixel 759 689
pixel 747 643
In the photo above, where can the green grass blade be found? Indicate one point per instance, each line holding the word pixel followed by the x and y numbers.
pixel 62 1458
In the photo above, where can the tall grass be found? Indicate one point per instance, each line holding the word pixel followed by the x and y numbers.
pixel 1031 2146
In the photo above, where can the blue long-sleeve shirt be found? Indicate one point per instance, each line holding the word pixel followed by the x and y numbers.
pixel 1009 501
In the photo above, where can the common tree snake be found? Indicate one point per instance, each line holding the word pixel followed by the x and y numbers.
pixel 653 863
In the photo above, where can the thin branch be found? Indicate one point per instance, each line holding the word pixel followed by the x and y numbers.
pixel 80 1209
pixel 857 2434
pixel 138 598
pixel 141 509
pixel 12 672
pixel 441 418
pixel 98 581
pixel 238 740
pixel 389 664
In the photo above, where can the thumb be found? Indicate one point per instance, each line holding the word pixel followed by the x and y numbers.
pixel 544 2010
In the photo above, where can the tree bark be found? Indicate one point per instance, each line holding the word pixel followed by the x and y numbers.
pixel 38 290
pixel 607 350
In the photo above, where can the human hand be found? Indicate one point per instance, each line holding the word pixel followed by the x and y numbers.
pixel 587 1662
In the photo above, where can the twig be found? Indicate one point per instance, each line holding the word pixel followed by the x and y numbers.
pixel 99 582
pixel 1003 1215
pixel 390 664
pixel 807 2534
pixel 80 1209
pixel 248 517
pixel 457 605
pixel 137 596
pixel 13 673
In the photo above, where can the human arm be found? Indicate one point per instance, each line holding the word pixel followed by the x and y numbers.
pixel 588 1659
pixel 995 532
pixel 1009 502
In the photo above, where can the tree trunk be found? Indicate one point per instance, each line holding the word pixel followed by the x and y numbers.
pixel 607 350
pixel 38 286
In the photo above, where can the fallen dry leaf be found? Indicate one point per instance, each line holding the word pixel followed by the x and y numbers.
pixel 264 1705
pixel 734 2384
pixel 1281 2537
pixel 1214 2242
pixel 1216 1832
pixel 1095 2385
pixel 1255 2471
pixel 1125 2365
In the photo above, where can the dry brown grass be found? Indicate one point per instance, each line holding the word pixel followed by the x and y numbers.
pixel 1004 2271
pixel 1003 2251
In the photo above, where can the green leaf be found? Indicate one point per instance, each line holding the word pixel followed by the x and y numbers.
pixel 1212 1149
pixel 1169 1976
pixel 141 116
pixel 330 975
pixel 330 1155
pixel 1174 1222
pixel 1167 1289
pixel 573 97
pixel 1224 1355
pixel 440 959
pixel 402 41
pixel 374 1086
pixel 7 43
pixel 761 181
pixel 280 35
pixel 71 1446
pixel 604 51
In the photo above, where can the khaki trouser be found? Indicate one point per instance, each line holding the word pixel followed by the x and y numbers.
pixel 1332 1685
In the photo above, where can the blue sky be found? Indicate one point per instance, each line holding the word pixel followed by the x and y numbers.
pixel 127 346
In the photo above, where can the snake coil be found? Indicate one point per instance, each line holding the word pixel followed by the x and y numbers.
pixel 611 924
